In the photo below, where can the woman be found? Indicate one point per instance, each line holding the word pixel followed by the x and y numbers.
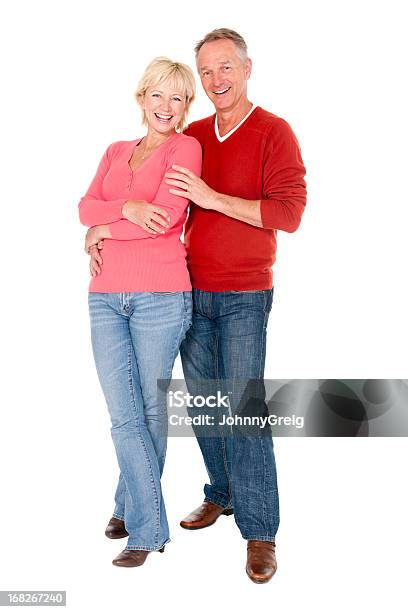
pixel 140 296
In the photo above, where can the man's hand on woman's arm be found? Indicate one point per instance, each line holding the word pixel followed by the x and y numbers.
pixel 200 193
pixel 283 186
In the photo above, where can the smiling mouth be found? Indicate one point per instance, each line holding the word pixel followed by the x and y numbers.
pixel 221 92
pixel 163 118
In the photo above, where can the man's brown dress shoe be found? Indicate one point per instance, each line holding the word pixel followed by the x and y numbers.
pixel 116 529
pixel 261 561
pixel 204 516
pixel 132 558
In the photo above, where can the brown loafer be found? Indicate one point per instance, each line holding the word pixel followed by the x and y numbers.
pixel 132 558
pixel 261 561
pixel 204 516
pixel 116 529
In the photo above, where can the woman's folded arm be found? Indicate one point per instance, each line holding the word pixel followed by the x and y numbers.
pixel 93 208
pixel 186 152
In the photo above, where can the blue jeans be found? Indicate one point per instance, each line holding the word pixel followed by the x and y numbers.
pixel 227 340
pixel 135 340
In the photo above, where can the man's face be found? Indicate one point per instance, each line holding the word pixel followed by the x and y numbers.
pixel 223 74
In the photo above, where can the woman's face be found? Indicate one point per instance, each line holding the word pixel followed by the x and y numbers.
pixel 164 107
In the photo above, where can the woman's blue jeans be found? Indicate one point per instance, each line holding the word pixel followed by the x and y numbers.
pixel 135 340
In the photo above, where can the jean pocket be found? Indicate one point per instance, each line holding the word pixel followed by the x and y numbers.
pixel 268 299
pixel 188 305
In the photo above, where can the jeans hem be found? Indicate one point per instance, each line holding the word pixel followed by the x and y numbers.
pixel 121 517
pixel 148 548
pixel 260 538
pixel 218 503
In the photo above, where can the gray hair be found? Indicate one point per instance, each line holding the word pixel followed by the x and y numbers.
pixel 222 34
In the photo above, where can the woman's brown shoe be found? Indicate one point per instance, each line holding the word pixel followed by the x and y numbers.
pixel 116 529
pixel 132 558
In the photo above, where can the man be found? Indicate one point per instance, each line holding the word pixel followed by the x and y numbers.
pixel 252 185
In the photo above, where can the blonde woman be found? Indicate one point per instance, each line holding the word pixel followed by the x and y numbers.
pixel 140 296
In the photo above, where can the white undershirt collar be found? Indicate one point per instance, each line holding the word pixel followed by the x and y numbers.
pixel 222 138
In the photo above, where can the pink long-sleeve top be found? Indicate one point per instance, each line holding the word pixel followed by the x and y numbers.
pixel 133 259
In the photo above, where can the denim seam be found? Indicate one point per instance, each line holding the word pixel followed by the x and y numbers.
pixel 179 338
pixel 123 468
pixel 211 304
pixel 187 311
pixel 131 386
pixel 177 346
pixel 261 437
pixel 268 295
pixel 264 483
pixel 224 454
pixel 216 376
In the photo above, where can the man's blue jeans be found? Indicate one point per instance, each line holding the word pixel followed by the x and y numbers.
pixel 227 340
pixel 135 340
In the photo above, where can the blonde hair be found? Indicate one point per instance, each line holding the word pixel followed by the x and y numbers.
pixel 179 76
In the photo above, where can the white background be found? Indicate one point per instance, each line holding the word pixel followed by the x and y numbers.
pixel 335 71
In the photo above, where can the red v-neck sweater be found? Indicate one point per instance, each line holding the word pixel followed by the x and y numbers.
pixel 261 160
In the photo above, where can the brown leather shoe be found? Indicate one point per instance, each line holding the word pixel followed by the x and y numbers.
pixel 132 558
pixel 116 529
pixel 204 516
pixel 261 561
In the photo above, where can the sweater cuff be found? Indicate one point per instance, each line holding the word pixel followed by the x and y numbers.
pixel 114 230
pixel 267 214
pixel 117 208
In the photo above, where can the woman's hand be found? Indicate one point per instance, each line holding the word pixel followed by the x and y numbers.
pixel 150 217
pixel 95 234
pixel 95 261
